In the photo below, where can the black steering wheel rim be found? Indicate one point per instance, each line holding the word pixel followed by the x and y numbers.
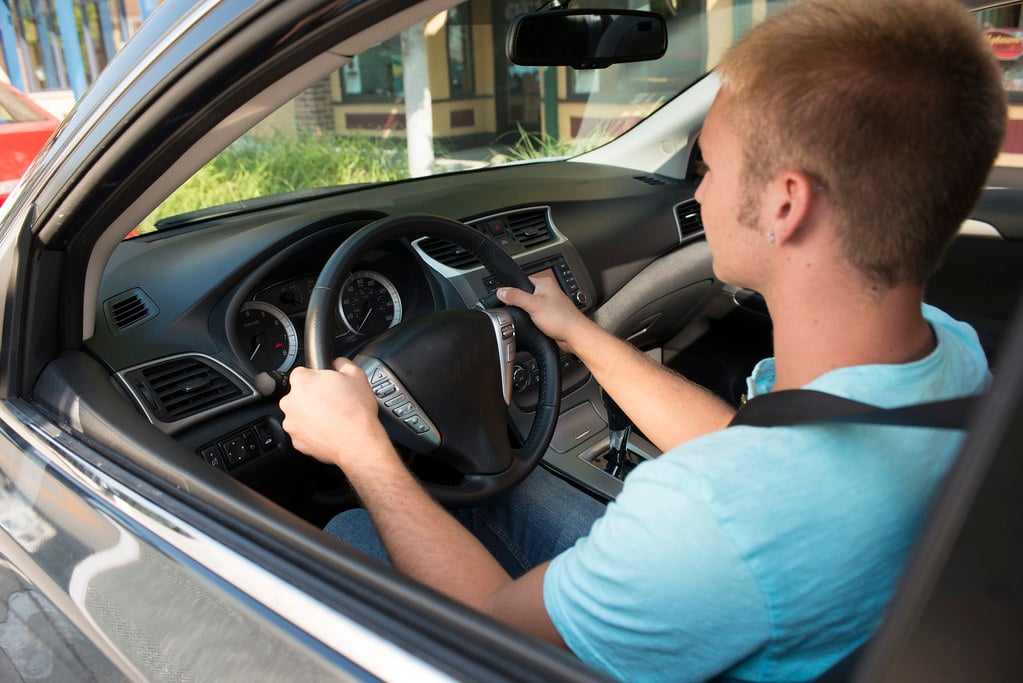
pixel 319 335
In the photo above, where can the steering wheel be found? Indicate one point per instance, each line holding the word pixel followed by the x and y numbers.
pixel 443 381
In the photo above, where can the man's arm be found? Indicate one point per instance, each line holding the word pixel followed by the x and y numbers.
pixel 665 406
pixel 332 416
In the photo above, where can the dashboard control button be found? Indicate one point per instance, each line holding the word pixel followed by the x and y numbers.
pixel 520 377
pixel 265 435
pixel 211 454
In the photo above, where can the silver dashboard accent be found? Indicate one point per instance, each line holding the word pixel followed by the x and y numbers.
pixel 504 330
pixel 682 237
pixel 449 272
pixel 287 328
pixel 249 392
pixel 392 298
pixel 972 227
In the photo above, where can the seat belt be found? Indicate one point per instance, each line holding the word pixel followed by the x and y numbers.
pixel 802 406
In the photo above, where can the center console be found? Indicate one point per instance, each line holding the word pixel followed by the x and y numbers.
pixel 582 440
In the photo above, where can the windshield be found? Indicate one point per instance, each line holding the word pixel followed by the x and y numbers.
pixel 442 97
pixel 15 109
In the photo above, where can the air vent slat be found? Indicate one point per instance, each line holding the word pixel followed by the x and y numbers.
pixel 515 232
pixel 650 180
pixel 129 309
pixel 448 254
pixel 690 222
pixel 186 386
pixel 530 229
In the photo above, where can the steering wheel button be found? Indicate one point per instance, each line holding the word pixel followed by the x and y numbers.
pixel 416 424
pixel 395 400
pixel 403 410
pixel 378 375
pixel 384 389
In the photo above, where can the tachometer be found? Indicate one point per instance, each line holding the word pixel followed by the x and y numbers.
pixel 267 335
pixel 369 303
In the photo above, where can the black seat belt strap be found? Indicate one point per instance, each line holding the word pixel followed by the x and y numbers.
pixel 801 406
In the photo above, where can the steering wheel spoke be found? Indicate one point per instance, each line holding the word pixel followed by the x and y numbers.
pixel 504 329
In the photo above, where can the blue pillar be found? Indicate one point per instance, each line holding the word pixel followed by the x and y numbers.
pixel 53 78
pixel 146 7
pixel 9 42
pixel 72 47
pixel 106 28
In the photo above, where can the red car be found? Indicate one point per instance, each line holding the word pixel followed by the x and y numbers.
pixel 24 129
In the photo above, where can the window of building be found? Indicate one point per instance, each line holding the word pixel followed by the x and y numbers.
pixel 374 75
pixel 1002 28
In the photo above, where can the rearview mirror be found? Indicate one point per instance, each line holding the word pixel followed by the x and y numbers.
pixel 585 39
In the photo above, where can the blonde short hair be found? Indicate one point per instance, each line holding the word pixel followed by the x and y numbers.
pixel 895 107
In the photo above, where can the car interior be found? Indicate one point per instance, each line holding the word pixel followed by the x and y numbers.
pixel 196 324
pixel 172 347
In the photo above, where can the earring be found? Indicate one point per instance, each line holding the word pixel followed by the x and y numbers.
pixel 770 238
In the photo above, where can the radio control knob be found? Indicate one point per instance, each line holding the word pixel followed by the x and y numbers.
pixel 520 377
pixel 580 298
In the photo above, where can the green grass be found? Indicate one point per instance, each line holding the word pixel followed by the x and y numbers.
pixel 253 167
pixel 532 145
pixel 256 168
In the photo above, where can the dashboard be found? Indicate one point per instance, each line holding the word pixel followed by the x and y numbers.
pixel 200 323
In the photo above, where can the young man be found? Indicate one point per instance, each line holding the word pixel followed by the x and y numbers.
pixel 847 144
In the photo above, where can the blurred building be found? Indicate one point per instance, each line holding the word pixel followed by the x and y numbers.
pixel 56 48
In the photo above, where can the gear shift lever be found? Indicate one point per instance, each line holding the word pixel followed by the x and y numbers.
pixel 620 426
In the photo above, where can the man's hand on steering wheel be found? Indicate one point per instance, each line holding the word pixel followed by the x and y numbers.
pixel 550 309
pixel 332 414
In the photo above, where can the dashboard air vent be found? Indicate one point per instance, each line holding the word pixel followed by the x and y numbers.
pixel 447 253
pixel 651 180
pixel 530 228
pixel 129 309
pixel 689 220
pixel 183 386
pixel 515 231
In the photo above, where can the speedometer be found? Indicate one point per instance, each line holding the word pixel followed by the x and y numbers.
pixel 268 337
pixel 369 303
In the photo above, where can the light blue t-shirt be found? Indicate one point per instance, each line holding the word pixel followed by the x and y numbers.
pixel 765 553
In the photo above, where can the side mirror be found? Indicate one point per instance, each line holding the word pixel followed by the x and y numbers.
pixel 586 39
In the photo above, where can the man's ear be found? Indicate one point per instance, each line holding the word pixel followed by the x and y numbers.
pixel 788 201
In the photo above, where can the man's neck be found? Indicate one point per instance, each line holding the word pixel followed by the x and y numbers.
pixel 815 333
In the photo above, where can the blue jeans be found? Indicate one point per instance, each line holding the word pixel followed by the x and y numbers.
pixel 526 526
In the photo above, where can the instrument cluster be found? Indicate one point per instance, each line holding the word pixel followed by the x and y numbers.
pixel 269 325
